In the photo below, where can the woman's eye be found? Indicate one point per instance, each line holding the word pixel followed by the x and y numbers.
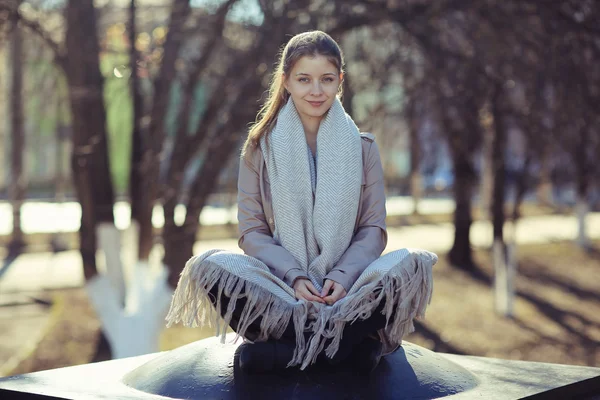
pixel 329 79
pixel 303 79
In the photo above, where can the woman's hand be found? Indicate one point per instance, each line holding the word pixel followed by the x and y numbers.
pixel 305 290
pixel 338 292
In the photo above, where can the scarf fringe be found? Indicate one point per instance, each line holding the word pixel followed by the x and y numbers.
pixel 191 304
pixel 406 289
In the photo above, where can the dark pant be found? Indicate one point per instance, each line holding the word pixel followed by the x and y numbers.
pixel 353 334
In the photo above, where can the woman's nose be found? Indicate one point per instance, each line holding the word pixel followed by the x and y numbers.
pixel 316 89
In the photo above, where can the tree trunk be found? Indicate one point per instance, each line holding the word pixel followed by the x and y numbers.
pixel 348 96
pixel 416 187
pixel 544 188
pixel 583 184
pixel 132 315
pixel 179 246
pixel 62 137
pixel 146 166
pixel 162 86
pixel 89 158
pixel 498 165
pixel 504 262
pixel 17 185
pixel 463 130
pixel 179 240
pixel 581 210
pixel 504 267
pixel 141 207
pixel 89 161
pixel 522 184
pixel 486 186
pixel 461 254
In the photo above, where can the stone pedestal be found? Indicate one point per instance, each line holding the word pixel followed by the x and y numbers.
pixel 206 370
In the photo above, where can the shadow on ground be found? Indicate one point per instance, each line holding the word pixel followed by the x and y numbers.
pixel 8 261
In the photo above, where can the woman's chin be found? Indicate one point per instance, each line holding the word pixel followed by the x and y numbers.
pixel 316 113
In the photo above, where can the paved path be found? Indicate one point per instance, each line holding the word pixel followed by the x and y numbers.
pixel 40 271
pixel 45 217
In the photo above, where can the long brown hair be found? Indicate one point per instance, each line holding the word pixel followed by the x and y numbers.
pixel 310 44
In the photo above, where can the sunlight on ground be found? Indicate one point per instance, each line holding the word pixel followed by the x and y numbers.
pixel 178 335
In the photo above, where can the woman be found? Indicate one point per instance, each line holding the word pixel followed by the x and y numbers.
pixel 311 210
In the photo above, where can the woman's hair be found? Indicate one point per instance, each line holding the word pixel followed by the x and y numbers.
pixel 310 44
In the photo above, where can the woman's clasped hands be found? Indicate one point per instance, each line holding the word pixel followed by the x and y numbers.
pixel 332 291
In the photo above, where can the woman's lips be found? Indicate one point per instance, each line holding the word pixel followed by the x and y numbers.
pixel 316 104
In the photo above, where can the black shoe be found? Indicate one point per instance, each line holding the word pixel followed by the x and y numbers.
pixel 367 355
pixel 265 356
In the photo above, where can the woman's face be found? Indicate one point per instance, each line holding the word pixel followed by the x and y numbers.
pixel 313 84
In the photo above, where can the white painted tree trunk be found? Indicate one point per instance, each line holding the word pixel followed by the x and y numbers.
pixel 504 277
pixel 132 313
pixel 109 241
pixel 581 210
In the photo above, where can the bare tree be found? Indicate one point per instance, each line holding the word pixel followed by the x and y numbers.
pixel 577 86
pixel 146 163
pixel 17 185
pixel 90 152
pixel 141 206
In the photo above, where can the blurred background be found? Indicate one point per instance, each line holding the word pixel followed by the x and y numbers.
pixel 123 121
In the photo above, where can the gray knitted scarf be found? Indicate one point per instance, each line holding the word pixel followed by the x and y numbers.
pixel 314 225
pixel 314 220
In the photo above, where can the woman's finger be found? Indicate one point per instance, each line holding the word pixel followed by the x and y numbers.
pixel 312 289
pixel 309 296
pixel 338 293
pixel 316 299
pixel 326 287
pixel 331 299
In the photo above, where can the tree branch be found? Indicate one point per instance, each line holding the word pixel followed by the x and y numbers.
pixel 182 144
pixel 382 12
pixel 35 27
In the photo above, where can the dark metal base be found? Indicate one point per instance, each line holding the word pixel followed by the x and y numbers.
pixel 206 370
pixel 209 368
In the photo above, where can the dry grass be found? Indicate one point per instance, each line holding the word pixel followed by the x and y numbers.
pixel 557 314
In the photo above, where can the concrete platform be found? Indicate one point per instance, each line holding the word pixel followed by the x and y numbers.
pixel 206 370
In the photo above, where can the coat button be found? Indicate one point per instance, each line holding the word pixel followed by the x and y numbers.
pixel 271 221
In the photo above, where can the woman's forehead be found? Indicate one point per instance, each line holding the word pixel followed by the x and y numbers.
pixel 314 65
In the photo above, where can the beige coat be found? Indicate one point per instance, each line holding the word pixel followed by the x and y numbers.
pixel 256 222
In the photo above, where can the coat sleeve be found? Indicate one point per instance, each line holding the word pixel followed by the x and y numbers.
pixel 255 237
pixel 370 238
